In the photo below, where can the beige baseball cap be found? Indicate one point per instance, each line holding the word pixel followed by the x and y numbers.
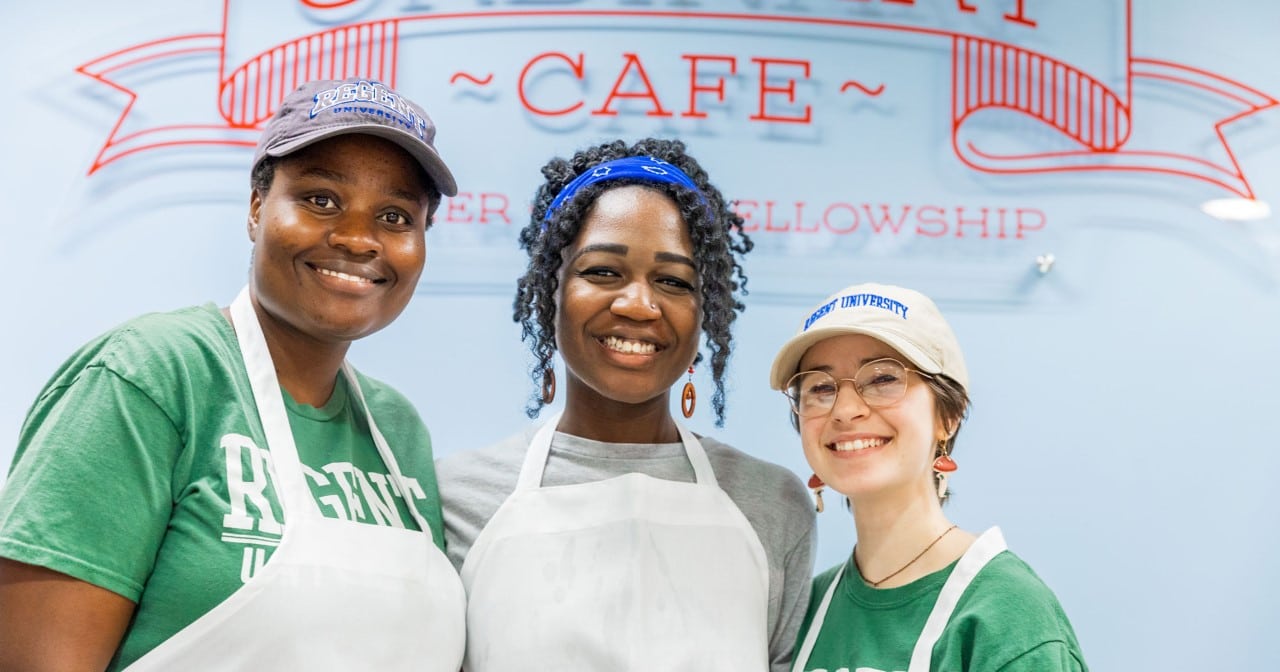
pixel 905 319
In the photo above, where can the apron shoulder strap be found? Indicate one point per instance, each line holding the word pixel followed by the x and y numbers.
pixel 801 657
pixel 702 471
pixel 535 458
pixel 284 464
pixel 384 449
pixel 986 547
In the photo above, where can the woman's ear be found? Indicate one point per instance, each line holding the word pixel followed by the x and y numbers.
pixel 944 432
pixel 255 209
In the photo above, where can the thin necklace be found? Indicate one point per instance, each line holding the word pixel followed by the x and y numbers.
pixel 876 584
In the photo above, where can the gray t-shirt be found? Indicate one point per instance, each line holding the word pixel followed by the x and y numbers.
pixel 473 484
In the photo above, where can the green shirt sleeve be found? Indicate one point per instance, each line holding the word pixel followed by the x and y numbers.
pixel 1053 656
pixel 89 492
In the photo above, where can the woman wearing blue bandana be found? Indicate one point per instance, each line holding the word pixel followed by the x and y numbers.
pixel 609 537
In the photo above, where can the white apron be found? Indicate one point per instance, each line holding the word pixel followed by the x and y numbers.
pixel 335 595
pixel 627 574
pixel 984 548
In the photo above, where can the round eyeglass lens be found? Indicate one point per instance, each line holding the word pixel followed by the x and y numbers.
pixel 812 393
pixel 881 382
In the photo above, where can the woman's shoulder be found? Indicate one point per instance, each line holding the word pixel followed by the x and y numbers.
pixel 778 486
pixel 823 579
pixel 1008 580
pixel 1012 609
pixel 493 462
pixel 175 332
pixel 733 462
pixel 202 321
pixel 385 397
pixel 153 344
pixel 771 496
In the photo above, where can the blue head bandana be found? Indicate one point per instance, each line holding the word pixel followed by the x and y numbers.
pixel 644 168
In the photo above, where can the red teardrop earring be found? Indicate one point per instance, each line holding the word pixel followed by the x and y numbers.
pixel 688 396
pixel 943 465
pixel 817 486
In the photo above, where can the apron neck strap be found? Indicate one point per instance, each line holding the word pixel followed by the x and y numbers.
pixel 384 450
pixel 815 626
pixel 285 465
pixel 983 549
pixel 697 457
pixel 535 459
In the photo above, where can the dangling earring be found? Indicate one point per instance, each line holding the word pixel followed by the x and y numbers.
pixel 942 468
pixel 688 396
pixel 817 486
pixel 548 385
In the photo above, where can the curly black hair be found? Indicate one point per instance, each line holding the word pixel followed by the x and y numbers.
pixel 716 231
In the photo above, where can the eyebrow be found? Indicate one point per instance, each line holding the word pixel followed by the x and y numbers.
pixel 615 248
pixel 324 173
pixel 672 257
pixel 609 248
pixel 826 368
pixel 341 178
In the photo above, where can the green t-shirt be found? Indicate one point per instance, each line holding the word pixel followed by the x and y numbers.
pixel 142 468
pixel 1006 621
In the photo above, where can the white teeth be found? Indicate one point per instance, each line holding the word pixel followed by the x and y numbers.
pixel 628 346
pixel 344 276
pixel 857 444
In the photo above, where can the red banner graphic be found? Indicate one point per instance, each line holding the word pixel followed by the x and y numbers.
pixel 1091 115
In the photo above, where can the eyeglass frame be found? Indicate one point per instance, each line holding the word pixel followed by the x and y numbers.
pixel 839 384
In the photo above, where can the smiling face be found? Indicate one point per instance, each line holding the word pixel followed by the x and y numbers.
pixel 629 310
pixel 339 240
pixel 864 452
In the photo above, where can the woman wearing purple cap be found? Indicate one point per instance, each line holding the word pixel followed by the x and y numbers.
pixel 218 489
pixel 877 386
pixel 611 537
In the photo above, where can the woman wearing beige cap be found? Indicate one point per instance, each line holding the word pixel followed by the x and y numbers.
pixel 217 489
pixel 877 386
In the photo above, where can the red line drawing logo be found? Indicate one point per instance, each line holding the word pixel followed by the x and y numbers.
pixel 1092 118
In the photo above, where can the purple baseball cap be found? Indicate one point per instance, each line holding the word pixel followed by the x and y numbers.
pixel 324 109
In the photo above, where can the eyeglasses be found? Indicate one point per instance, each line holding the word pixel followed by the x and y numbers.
pixel 879 383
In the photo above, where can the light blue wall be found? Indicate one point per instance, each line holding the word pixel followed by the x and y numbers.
pixel 1123 430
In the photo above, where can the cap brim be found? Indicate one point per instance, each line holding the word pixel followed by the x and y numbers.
pixel 425 155
pixel 787 361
